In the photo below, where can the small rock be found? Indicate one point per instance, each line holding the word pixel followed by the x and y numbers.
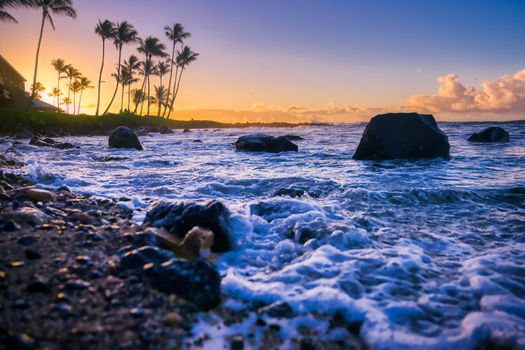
pixel 165 130
pixel 27 240
pixel 277 310
pixel 490 134
pixel 137 258
pixel 185 131
pixel 76 285
pixel 20 341
pixel 37 286
pixel 28 216
pixel 32 254
pixel 20 304
pixel 172 319
pixel 9 226
pixel 294 137
pixel 137 312
pixel 237 342
pixel 16 263
pixel 265 143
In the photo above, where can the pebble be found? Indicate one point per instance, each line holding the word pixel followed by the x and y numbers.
pixel 37 286
pixel 237 342
pixel 10 226
pixel 16 263
pixel 20 304
pixel 38 195
pixel 20 341
pixel 27 240
pixel 32 254
pixel 172 319
pixel 137 312
pixel 76 285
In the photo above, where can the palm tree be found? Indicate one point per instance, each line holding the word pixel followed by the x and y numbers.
pixel 71 73
pixel 67 101
pixel 125 33
pixel 184 58
pixel 37 89
pixel 60 66
pixel 85 83
pixel 138 96
pixel 105 30
pixel 160 97
pixel 150 47
pixel 57 7
pixel 5 4
pixel 55 93
pixel 131 65
pixel 147 68
pixel 162 69
pixel 176 34
pixel 75 87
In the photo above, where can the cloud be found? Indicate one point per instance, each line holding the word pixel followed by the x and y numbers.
pixel 504 95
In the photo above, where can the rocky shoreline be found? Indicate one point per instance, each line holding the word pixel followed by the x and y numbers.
pixel 76 272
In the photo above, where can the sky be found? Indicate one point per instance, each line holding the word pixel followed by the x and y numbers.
pixel 305 60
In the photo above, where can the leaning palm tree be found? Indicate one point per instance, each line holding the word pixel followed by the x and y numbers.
pixel 71 73
pixel 105 30
pixel 176 34
pixel 163 68
pixel 184 58
pixel 160 97
pixel 147 69
pixel 75 87
pixel 60 66
pixel 125 33
pixel 85 83
pixel 137 96
pixel 150 47
pixel 49 7
pixel 55 93
pixel 6 4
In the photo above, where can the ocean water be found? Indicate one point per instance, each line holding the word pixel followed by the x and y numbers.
pixel 423 254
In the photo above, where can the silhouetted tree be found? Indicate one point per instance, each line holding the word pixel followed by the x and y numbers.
pixel 9 4
pixel 71 73
pixel 85 83
pixel 184 58
pixel 37 89
pixel 105 30
pixel 60 66
pixel 131 66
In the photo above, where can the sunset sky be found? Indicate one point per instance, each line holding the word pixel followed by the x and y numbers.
pixel 305 60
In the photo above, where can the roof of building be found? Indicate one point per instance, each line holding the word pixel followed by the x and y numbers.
pixel 12 68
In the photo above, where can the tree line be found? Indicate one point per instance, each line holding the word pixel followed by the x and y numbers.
pixel 156 61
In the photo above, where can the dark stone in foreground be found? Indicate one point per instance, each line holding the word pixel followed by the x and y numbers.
pixel 124 137
pixel 265 143
pixel 137 258
pixel 402 135
pixel 195 280
pixel 180 217
pixel 490 134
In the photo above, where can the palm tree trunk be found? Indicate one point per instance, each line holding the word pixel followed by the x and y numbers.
pixel 37 55
pixel 74 101
pixel 100 74
pixel 122 98
pixel 129 96
pixel 80 101
pixel 149 96
pixel 58 87
pixel 171 76
pixel 143 87
pixel 174 87
pixel 178 86
pixel 118 81
pixel 69 95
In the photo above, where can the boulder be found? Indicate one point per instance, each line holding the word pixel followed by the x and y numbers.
pixel 490 134
pixel 402 135
pixel 185 131
pixel 48 142
pixel 294 137
pixel 124 137
pixel 179 218
pixel 195 280
pixel 265 143
pixel 137 258
pixel 165 130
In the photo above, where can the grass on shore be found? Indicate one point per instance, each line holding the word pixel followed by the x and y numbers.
pixel 16 122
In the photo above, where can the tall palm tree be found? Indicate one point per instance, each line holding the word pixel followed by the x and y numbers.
pixel 147 68
pixel 150 47
pixel 163 68
pixel 71 73
pixel 184 58
pixel 60 66
pixel 137 96
pixel 5 4
pixel 124 34
pixel 85 83
pixel 49 7
pixel 132 65
pixel 75 87
pixel 176 34
pixel 105 30
pixel 160 97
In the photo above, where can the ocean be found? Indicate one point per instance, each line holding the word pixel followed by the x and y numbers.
pixel 417 253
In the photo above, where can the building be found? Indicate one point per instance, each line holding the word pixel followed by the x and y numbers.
pixel 12 84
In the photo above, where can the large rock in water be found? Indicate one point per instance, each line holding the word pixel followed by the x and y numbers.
pixel 490 134
pixel 124 137
pixel 402 135
pixel 265 143
pixel 178 218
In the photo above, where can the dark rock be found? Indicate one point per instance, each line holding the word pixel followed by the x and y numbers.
pixel 197 141
pixel 277 310
pixel 185 131
pixel 20 341
pixel 48 142
pixel 402 135
pixel 180 217
pixel 65 145
pixel 291 192
pixel 264 143
pixel 76 285
pixel 32 254
pixel 195 280
pixel 124 137
pixel 136 312
pixel 165 130
pixel 20 304
pixel 37 286
pixel 137 258
pixel 491 134
pixel 9 226
pixel 27 240
pixel 294 137
pixel 237 342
